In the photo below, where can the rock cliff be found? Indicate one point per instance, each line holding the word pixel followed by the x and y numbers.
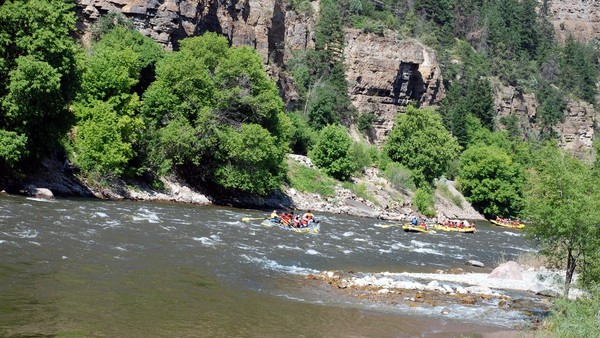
pixel 576 131
pixel 385 74
pixel 580 18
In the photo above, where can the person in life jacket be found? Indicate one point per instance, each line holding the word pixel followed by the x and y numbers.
pixel 274 217
pixel 414 221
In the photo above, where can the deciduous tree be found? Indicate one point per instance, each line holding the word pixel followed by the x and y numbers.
pixel 562 207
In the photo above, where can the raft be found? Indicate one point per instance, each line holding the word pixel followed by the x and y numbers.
pixel 312 227
pixel 417 228
pixel 469 230
pixel 508 225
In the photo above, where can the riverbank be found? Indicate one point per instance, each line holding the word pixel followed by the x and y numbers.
pixel 386 202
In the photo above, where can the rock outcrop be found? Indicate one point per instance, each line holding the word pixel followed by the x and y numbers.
pixel 385 74
pixel 580 18
pixel 576 131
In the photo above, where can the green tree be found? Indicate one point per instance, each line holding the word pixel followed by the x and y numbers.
pixel 38 76
pixel 420 142
pixel 331 153
pixel 491 181
pixel 217 118
pixel 562 206
pixel 109 125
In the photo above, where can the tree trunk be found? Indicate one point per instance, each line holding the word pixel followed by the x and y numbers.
pixel 571 264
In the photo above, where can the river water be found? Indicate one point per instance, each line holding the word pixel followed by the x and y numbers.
pixel 83 267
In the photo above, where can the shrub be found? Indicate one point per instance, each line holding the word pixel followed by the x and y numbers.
pixel 424 201
pixel 399 176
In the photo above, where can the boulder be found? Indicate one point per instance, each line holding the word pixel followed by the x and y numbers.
pixel 508 270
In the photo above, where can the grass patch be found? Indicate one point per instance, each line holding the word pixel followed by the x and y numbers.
pixel 399 176
pixel 360 190
pixel 305 179
pixel 443 189
pixel 575 318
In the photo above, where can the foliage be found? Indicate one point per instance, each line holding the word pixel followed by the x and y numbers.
pixel 552 105
pixel 302 137
pixel 424 201
pixel 38 75
pixel 491 181
pixel 217 116
pixel 360 156
pixel 365 123
pixel 575 318
pixel 109 125
pixel 399 176
pixel 420 142
pixel 331 152
pixel 13 147
pixel 561 203
pixel 102 141
pixel 579 69
pixel 305 179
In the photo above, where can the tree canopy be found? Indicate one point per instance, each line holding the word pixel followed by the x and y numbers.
pixel 420 142
pixel 38 77
pixel 491 181
pixel 217 117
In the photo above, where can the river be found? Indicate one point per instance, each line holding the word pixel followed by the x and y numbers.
pixel 84 267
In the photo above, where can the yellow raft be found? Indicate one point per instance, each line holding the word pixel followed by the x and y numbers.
pixel 417 228
pixel 469 230
pixel 508 225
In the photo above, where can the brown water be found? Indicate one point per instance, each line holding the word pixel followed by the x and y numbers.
pixel 77 267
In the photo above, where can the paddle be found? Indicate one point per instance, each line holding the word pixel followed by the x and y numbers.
pixel 246 219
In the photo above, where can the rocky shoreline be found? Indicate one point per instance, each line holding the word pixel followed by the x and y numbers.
pixel 521 296
pixel 55 179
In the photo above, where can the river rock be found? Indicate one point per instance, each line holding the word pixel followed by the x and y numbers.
pixel 480 290
pixel 475 263
pixel 469 300
pixel 508 270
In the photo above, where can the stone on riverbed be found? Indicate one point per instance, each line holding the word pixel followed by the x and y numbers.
pixel 475 263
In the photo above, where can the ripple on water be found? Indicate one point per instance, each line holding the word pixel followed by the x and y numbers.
pixel 269 264
pixel 348 234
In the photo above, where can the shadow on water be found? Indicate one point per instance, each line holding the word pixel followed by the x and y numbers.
pixel 124 269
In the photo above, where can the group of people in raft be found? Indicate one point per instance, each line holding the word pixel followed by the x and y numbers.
pixel 447 223
pixel 508 221
pixel 294 221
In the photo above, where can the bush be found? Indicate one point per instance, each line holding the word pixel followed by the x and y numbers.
pixel 424 201
pixel 360 156
pixel 331 153
pixel 399 176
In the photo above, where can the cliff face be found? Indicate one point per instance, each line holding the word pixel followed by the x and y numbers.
pixel 580 18
pixel 576 131
pixel 385 74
